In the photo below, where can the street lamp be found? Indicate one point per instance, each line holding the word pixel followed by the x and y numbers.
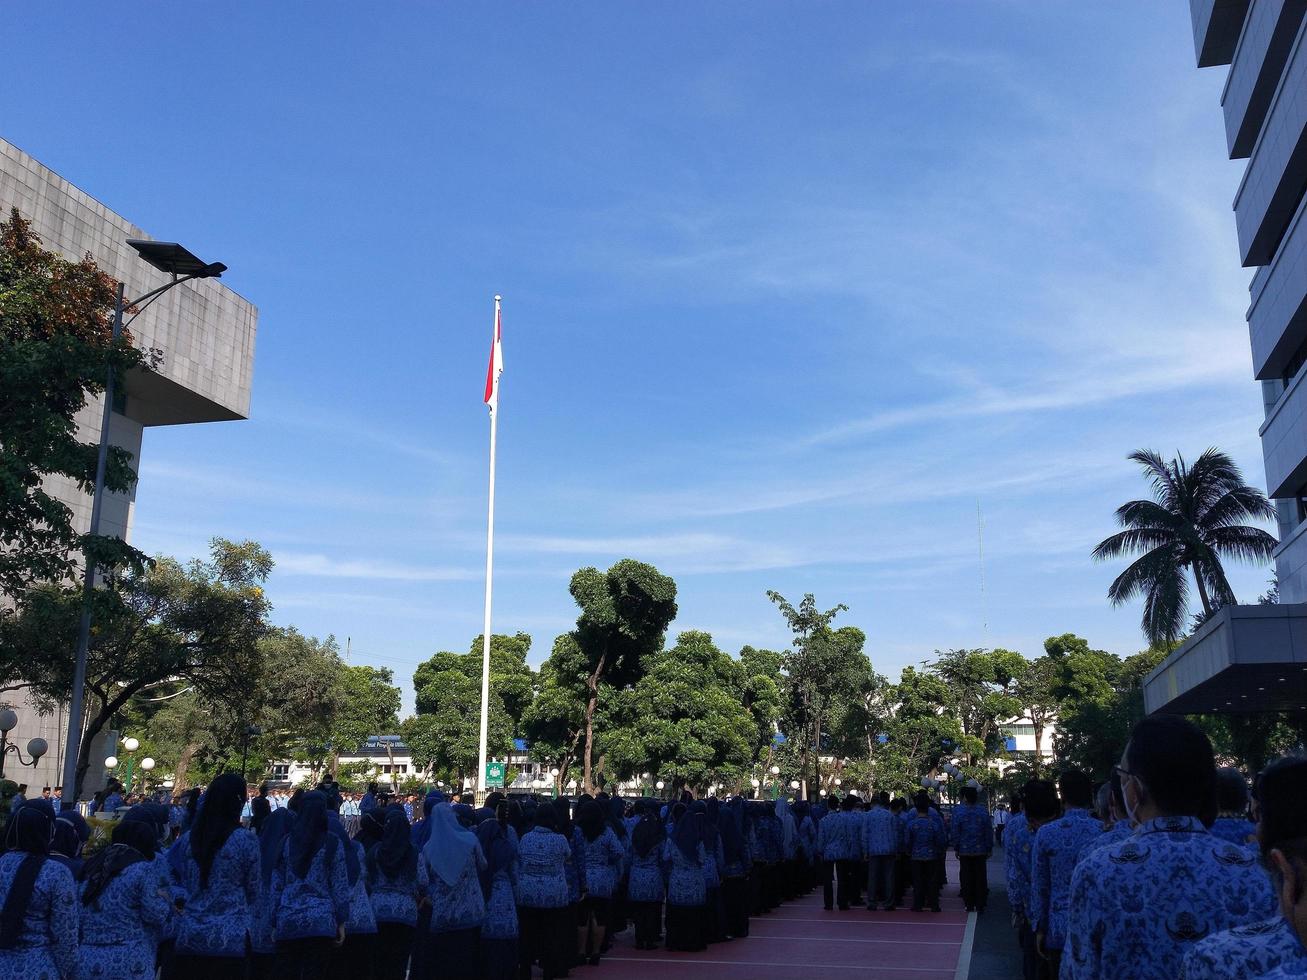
pixel 36 747
pixel 183 266
pixel 659 786
pixel 147 765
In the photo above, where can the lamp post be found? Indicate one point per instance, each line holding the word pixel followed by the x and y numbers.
pixel 253 731
pixel 36 747
pixel 755 783
pixel 659 786
pixel 147 765
pixel 130 745
pixel 183 266
pixel 775 781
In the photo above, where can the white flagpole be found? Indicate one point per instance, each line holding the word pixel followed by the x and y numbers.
pixel 490 565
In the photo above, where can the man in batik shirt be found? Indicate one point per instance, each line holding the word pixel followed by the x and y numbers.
pixel 1052 859
pixel 1137 907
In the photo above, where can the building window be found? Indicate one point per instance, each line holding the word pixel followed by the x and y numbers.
pixel 281 772
pixel 1019 730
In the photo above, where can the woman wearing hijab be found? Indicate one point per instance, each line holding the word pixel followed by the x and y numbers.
pixel 616 809
pixel 714 924
pixel 458 907
pixel 499 933
pixel 122 907
pixel 71 832
pixel 544 857
pixel 686 892
pixel 736 864
pixel 359 950
pixel 644 887
pixel 38 900
pixel 263 942
pixel 311 889
pixel 575 871
pixel 397 881
pixel 602 856
pixel 218 871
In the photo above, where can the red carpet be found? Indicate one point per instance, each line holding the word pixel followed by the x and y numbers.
pixel 900 945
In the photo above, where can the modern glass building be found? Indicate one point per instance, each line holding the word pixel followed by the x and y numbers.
pixel 1255 657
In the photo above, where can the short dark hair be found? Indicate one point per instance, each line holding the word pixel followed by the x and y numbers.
pixel 1040 797
pixel 1173 759
pixel 922 802
pixel 1076 788
pixel 1231 790
pixel 833 803
pixel 1282 799
pixel 969 794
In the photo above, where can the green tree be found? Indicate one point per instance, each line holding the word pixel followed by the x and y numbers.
pixel 1034 689
pixel 554 723
pixel 982 690
pixel 368 705
pixel 199 623
pixel 684 719
pixel 56 351
pixel 917 730
pixel 1194 520
pixel 624 617
pixel 761 694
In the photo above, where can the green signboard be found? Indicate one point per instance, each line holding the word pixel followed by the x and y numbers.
pixel 495 774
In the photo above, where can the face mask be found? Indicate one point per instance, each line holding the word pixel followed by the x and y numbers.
pixel 1125 797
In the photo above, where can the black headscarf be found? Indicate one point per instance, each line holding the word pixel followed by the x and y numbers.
pixel 310 833
pixel 394 854
pixel 590 818
pixel 730 824
pixel 71 832
pixel 708 824
pixel 272 841
pixel 616 813
pixel 371 826
pixel 499 849
pixel 688 833
pixel 30 829
pixel 133 841
pixel 563 811
pixel 649 833
pixel 217 820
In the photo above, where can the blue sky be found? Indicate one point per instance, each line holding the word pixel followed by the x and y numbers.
pixel 789 290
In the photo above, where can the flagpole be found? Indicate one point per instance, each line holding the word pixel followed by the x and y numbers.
pixel 490 567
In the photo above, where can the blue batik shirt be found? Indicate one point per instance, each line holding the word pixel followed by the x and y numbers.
pixel 1018 842
pixel 880 832
pixel 1236 830
pixel 47 939
pixel 543 858
pixel 646 881
pixel 1052 859
pixel 1247 951
pixel 396 899
pixel 603 859
pixel 461 905
pixel 839 837
pixel 1139 906
pixel 120 926
pixel 216 919
pixel 1118 832
pixel 685 884
pixel 972 832
pixel 315 905
pixel 926 838
pixel 501 907
pixel 362 920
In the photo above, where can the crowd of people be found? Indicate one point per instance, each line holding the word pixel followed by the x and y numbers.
pixel 1168 870
pixel 1164 872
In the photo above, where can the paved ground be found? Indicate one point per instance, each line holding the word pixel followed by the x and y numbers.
pixel 802 936
pixel 994 953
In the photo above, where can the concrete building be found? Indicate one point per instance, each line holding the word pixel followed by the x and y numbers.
pixel 205 331
pixel 1255 657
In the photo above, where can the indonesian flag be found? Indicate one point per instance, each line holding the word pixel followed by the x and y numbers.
pixel 496 367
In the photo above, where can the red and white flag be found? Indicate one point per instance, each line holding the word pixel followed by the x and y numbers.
pixel 496 364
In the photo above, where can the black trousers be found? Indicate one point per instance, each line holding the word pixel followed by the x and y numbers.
pixel 974 874
pixel 925 884
pixel 846 885
pixel 394 945
pixel 543 935
pixel 735 900
pixel 828 884
pixel 902 877
pixel 190 967
pixel 880 880
pixel 302 959
pixel 355 959
pixel 648 921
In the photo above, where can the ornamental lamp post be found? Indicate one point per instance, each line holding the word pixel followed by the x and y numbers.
pixel 178 262
pixel 36 747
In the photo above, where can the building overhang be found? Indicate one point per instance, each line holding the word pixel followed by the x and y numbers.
pixel 155 399
pixel 1243 659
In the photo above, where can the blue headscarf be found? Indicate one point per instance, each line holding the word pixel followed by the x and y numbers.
pixel 422 830
pixel 272 841
pixel 448 845
pixel 687 833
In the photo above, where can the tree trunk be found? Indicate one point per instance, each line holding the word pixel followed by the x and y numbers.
pixel 1202 589
pixel 593 685
pixel 1039 744
pixel 816 757
pixel 181 773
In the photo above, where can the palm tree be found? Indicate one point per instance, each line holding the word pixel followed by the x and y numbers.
pixel 1192 521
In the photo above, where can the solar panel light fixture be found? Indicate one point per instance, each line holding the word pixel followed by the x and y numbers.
pixel 176 260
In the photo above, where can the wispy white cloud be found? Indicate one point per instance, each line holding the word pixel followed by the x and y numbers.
pixel 322 566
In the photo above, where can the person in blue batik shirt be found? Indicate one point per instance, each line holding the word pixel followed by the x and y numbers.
pixel 396 882
pixel 312 893
pixel 71 832
pixel 1039 805
pixel 687 894
pixel 1232 822
pixel 499 932
pixel 602 855
pixel 263 943
pixel 544 855
pixel 645 888
pixel 972 835
pixel 218 872
pixel 458 907
pixel 880 843
pixel 732 828
pixel 369 801
pixel 1137 907
pixel 1116 825
pixel 122 906
pixel 1052 859
pixel 924 838
pixel 38 900
pixel 1277 946
pixel 839 852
